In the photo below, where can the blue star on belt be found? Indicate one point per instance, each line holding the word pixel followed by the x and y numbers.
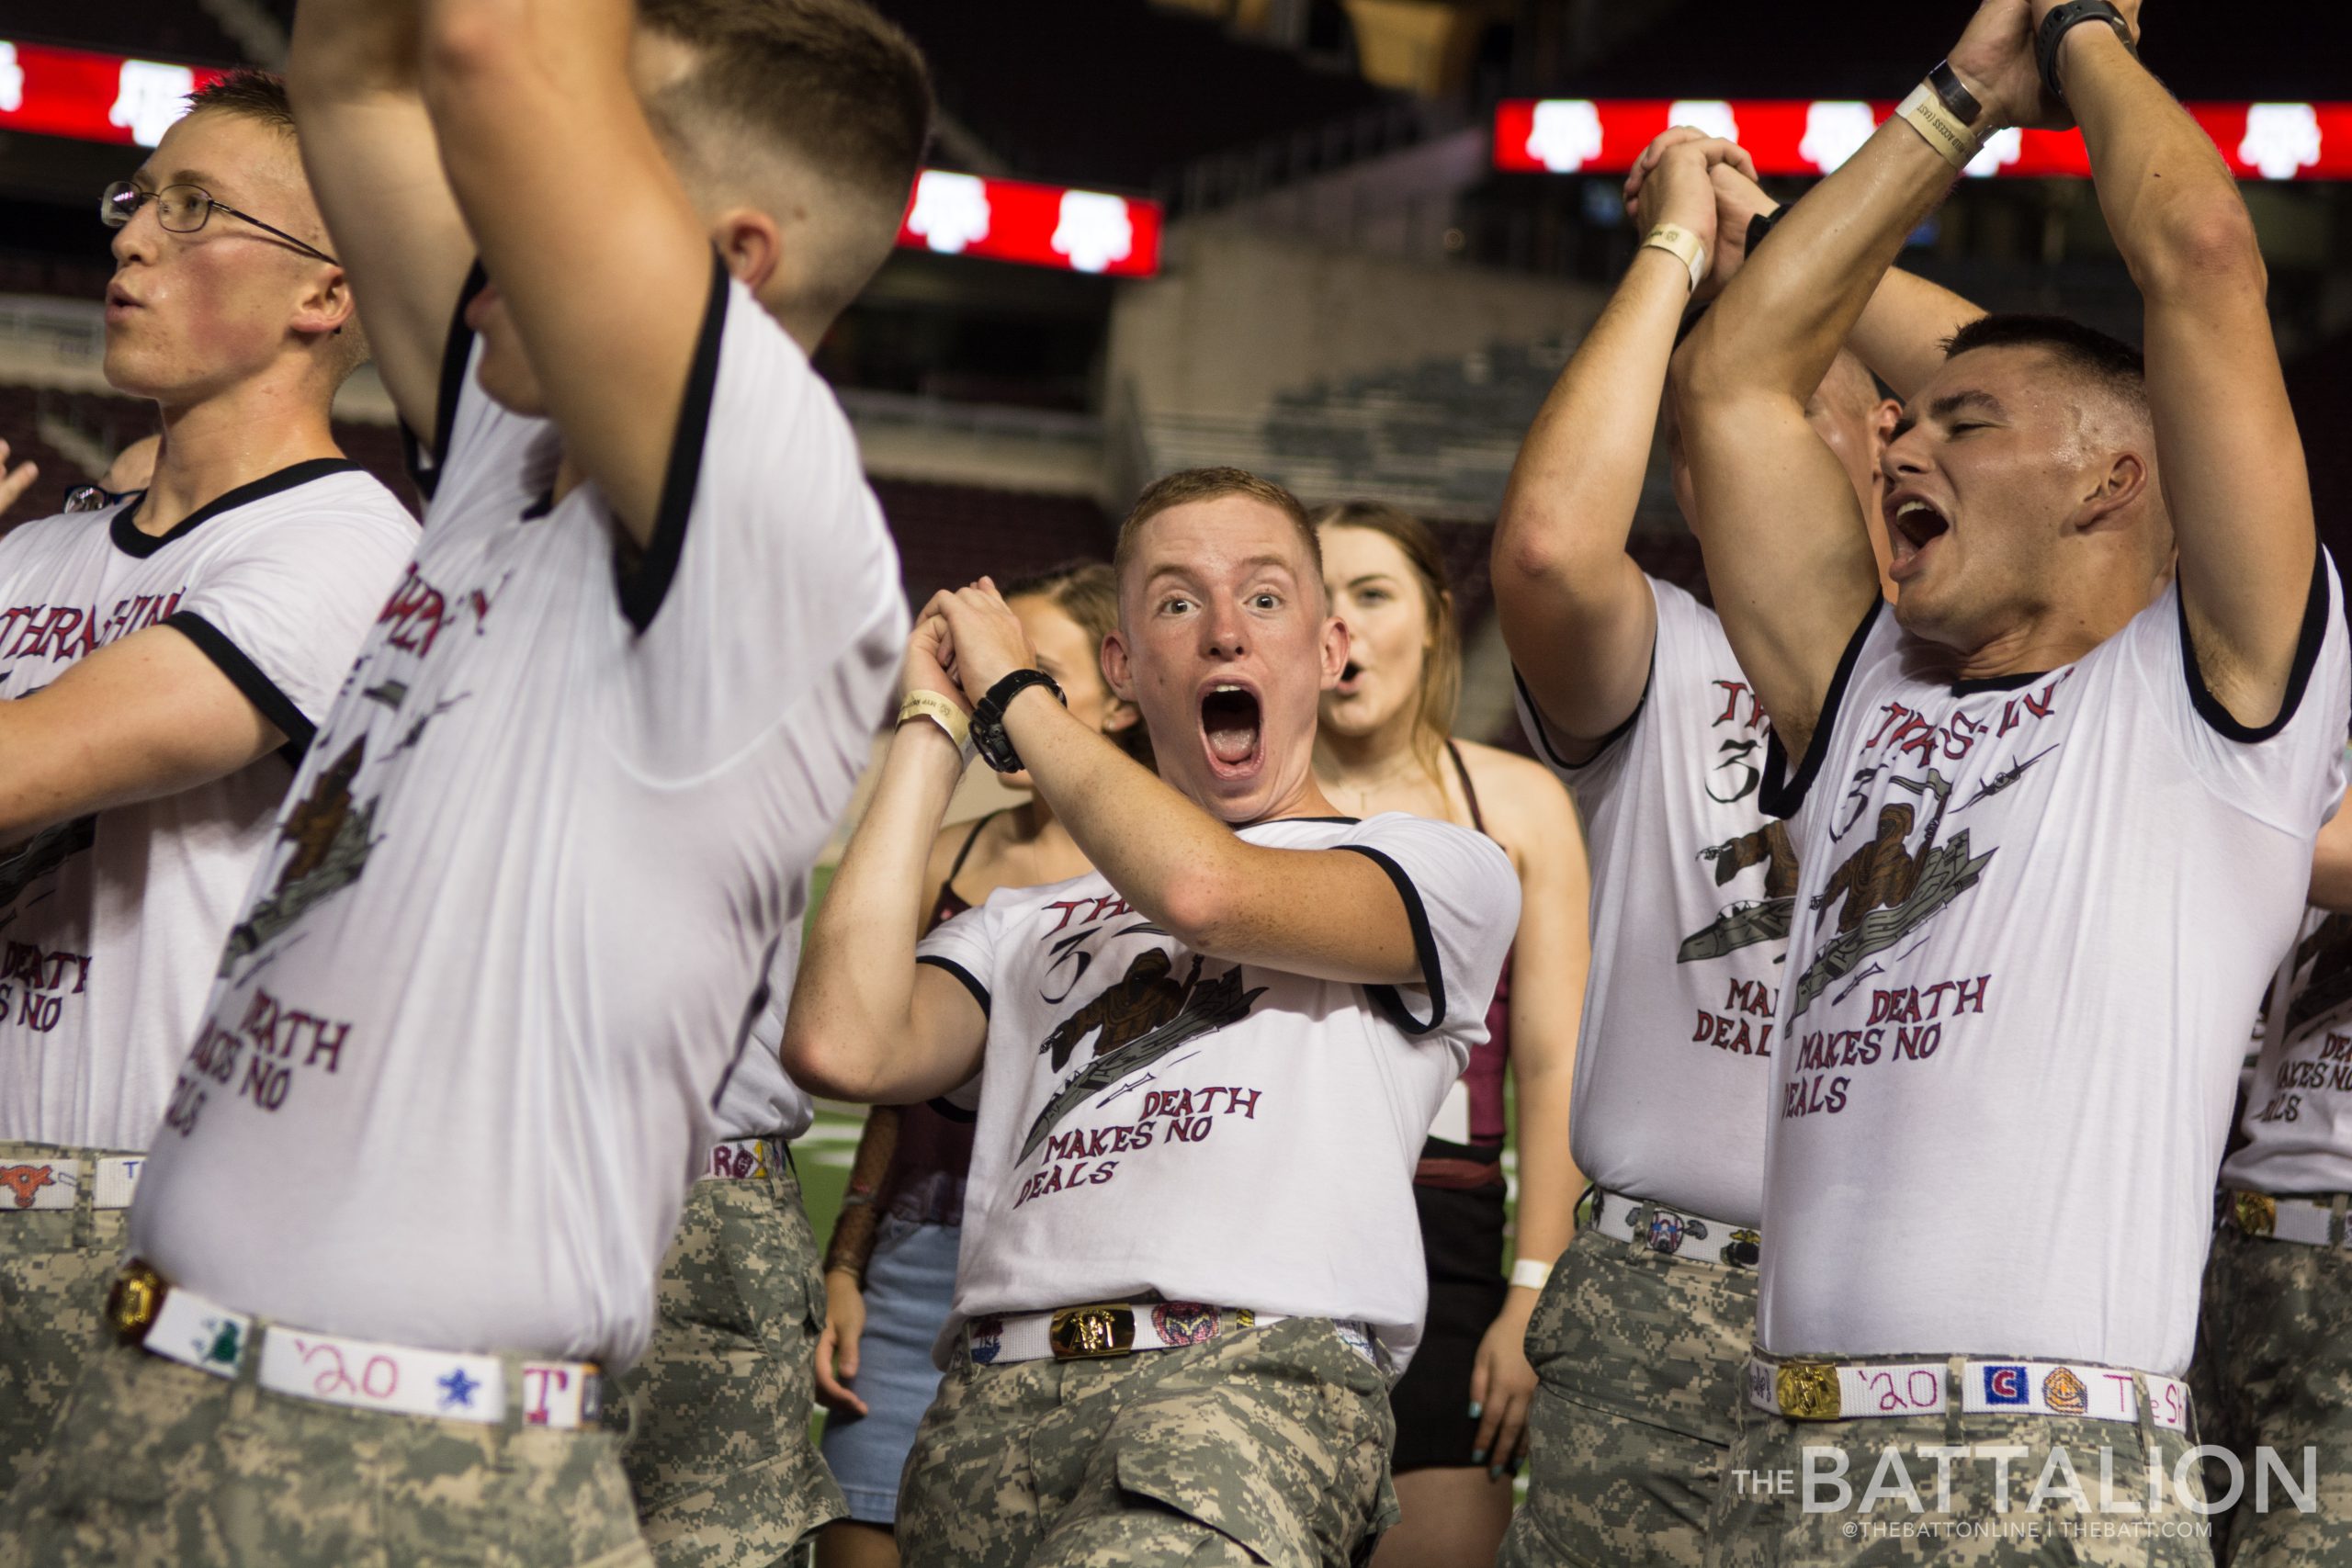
pixel 458 1390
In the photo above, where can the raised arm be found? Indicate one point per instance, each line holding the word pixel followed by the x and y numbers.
pixel 367 149
pixel 1900 333
pixel 586 233
pixel 868 1022
pixel 1576 613
pixel 147 717
pixel 2227 451
pixel 1778 519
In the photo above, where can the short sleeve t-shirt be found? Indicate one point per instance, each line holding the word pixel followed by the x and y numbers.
pixel 1154 1120
pixel 1691 888
pixel 761 1101
pixel 474 1024
pixel 2298 1123
pixel 110 924
pixel 2033 915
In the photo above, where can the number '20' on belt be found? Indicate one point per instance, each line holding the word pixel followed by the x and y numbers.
pixel 178 1325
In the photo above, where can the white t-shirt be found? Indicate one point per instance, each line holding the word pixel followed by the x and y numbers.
pixel 2298 1123
pixel 1691 884
pixel 2034 916
pixel 482 1002
pixel 110 925
pixel 761 1101
pixel 1154 1121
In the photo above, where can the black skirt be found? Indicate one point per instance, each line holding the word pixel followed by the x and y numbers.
pixel 1462 1236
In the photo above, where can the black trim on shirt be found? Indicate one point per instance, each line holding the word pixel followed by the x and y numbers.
pixel 947 1108
pixel 1996 684
pixel 456 349
pixel 246 676
pixel 2307 646
pixel 1345 821
pixel 131 541
pixel 971 984
pixel 1543 735
pixel 644 585
pixel 1385 998
pixel 1781 796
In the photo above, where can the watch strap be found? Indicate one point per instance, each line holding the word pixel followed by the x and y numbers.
pixel 987 716
pixel 1954 93
pixel 2064 19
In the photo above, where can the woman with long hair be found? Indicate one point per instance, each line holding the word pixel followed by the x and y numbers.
pixel 1386 744
pixel 890 1268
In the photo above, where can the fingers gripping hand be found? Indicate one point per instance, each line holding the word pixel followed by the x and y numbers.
pixel 1670 184
pixel 1994 58
pixel 931 658
pixel 836 1361
pixel 989 641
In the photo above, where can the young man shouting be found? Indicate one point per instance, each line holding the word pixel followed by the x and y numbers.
pixel 1190 1260
pixel 418 1172
pixel 164 661
pixel 2053 815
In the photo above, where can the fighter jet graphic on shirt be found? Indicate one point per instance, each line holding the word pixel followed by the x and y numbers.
pixel 1749 921
pixel 1141 1017
pixel 331 839
pixel 2328 979
pixel 1889 889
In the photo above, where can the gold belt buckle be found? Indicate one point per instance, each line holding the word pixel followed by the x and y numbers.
pixel 1088 1333
pixel 1807 1390
pixel 133 1300
pixel 2257 1212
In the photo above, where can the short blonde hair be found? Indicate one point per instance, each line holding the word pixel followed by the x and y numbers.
pixel 1188 485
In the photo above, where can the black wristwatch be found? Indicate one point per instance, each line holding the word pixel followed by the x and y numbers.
pixel 987 718
pixel 2064 19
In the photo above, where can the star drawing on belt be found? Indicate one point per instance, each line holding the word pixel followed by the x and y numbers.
pixel 458 1390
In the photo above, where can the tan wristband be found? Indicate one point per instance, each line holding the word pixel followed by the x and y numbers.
pixel 943 713
pixel 1683 246
pixel 1925 112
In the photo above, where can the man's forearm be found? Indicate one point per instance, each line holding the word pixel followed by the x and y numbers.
pixel 347 48
pixel 1780 321
pixel 1578 478
pixel 1901 331
pixel 2160 179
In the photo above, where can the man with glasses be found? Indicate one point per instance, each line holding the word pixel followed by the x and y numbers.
pixel 499 987
pixel 164 656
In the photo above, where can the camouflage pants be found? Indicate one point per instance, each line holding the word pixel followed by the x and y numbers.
pixel 1638 1356
pixel 2274 1371
pixel 2010 1491
pixel 157 1465
pixel 54 1266
pixel 1270 1445
pixel 721 1463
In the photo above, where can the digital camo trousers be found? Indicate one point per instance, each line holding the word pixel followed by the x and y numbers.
pixel 1638 1357
pixel 721 1463
pixel 54 1267
pixel 156 1465
pixel 2273 1380
pixel 1984 1490
pixel 1268 1445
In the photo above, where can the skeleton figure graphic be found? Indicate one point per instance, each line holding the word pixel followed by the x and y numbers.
pixel 1140 1017
pixel 1889 890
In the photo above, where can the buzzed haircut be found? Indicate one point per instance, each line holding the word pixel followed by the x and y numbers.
pixel 828 79
pixel 2108 362
pixel 1188 485
pixel 253 95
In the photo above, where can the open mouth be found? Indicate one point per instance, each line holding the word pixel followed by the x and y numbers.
pixel 1231 726
pixel 1349 679
pixel 1912 525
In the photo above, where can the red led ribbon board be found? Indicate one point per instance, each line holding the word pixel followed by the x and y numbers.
pixel 1801 136
pixel 105 98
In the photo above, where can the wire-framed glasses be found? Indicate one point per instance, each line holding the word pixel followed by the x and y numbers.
pixel 183 209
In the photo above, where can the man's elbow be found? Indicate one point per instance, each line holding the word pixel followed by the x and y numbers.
pixel 813 1059
pixel 467 51
pixel 1197 914
pixel 2202 246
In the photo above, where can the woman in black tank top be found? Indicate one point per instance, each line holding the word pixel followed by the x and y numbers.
pixel 1385 745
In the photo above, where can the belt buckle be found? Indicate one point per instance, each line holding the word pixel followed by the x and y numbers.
pixel 2256 1212
pixel 133 1302
pixel 1807 1390
pixel 1093 1332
